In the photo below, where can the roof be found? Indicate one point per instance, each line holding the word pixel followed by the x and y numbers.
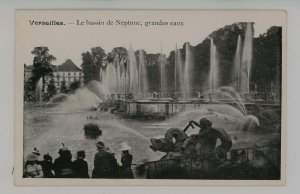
pixel 68 65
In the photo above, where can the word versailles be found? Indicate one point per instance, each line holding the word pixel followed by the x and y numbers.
pixel 46 23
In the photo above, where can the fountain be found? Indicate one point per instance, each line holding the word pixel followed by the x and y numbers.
pixel 246 60
pixel 237 64
pixel 214 67
pixel 117 70
pixel 178 71
pixel 110 78
pixel 187 72
pixel 133 72
pixel 142 71
pixel 162 73
pixel 39 91
pixel 122 77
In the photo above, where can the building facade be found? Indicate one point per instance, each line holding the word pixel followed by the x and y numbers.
pixel 65 74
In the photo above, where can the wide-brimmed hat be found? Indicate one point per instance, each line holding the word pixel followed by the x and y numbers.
pixel 100 145
pixel 124 146
pixel 32 157
pixel 205 121
pixel 36 152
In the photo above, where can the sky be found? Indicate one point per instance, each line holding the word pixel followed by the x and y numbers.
pixel 71 40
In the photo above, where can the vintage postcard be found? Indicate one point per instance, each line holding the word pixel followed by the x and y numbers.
pixel 150 97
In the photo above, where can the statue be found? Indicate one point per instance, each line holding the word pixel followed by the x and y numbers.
pixel 177 144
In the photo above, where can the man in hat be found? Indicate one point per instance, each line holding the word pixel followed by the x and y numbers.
pixel 103 162
pixel 210 136
pixel 81 166
pixel 63 166
pixel 126 161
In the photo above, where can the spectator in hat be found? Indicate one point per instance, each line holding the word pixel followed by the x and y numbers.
pixel 63 166
pixel 32 168
pixel 47 166
pixel 104 162
pixel 126 161
pixel 81 166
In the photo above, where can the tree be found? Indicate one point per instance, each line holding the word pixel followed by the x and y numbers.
pixel 120 54
pixel 41 64
pixel 88 67
pixel 267 59
pixel 74 86
pixel 92 64
pixel 63 87
pixel 28 91
pixel 98 54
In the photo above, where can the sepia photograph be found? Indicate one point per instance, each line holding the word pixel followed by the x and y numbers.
pixel 150 97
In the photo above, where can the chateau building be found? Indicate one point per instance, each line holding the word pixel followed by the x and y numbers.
pixel 67 72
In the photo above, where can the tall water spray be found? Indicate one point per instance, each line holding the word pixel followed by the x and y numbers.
pixel 142 71
pixel 246 60
pixel 117 69
pixel 133 72
pixel 178 71
pixel 110 78
pixel 236 75
pixel 123 72
pixel 187 72
pixel 162 72
pixel 214 67
pixel 39 90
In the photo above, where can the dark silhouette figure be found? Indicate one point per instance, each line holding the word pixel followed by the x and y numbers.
pixel 63 166
pixel 126 161
pixel 104 163
pixel 47 166
pixel 81 166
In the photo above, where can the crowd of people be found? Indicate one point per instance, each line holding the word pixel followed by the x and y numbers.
pixel 105 164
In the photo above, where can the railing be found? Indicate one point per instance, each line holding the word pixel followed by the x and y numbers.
pixel 168 108
pixel 208 166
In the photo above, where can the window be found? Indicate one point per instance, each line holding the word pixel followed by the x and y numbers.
pixel 69 74
pixel 74 73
